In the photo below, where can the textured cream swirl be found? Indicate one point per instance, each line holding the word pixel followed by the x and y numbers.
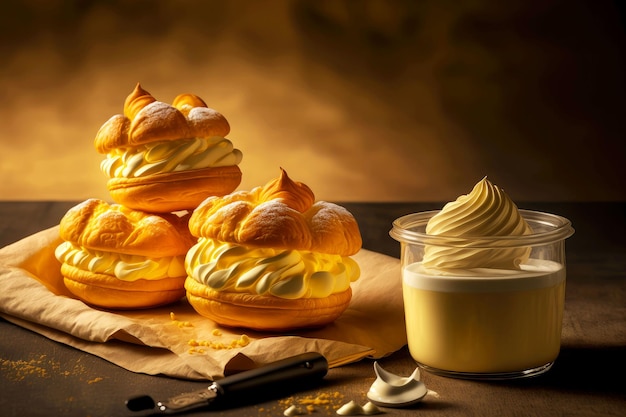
pixel 487 211
pixel 170 156
pixel 281 273
pixel 124 267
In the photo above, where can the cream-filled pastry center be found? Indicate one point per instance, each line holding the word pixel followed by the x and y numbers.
pixel 124 267
pixel 288 274
pixel 170 156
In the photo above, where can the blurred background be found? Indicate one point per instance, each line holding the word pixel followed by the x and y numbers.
pixel 364 100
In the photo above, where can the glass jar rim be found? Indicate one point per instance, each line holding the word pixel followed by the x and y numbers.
pixel 559 228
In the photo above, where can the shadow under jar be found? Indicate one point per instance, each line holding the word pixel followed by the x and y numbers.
pixel 484 322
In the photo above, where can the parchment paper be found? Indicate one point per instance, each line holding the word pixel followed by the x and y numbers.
pixel 174 340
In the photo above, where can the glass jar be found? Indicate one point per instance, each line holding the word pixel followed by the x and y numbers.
pixel 484 322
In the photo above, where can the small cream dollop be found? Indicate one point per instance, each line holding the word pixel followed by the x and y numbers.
pixel 353 409
pixel 390 390
pixel 292 410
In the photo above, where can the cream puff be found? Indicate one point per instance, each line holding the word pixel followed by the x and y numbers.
pixel 272 258
pixel 119 258
pixel 163 158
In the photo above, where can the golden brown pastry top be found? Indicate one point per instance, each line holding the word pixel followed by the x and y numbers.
pixel 147 120
pixel 282 214
pixel 96 225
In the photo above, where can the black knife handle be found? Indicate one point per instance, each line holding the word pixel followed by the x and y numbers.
pixel 280 374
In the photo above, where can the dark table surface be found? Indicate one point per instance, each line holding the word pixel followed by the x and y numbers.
pixel 43 377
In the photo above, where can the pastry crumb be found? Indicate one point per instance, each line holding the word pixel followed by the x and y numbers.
pixel 40 367
pixel 309 404
pixel 178 322
pixel 196 345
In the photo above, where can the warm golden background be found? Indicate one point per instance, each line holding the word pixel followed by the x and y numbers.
pixel 368 100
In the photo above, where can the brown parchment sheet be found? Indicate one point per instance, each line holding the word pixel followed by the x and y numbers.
pixel 174 340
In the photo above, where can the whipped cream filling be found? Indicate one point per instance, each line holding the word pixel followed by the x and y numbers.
pixel 483 213
pixel 289 274
pixel 448 259
pixel 122 266
pixel 170 156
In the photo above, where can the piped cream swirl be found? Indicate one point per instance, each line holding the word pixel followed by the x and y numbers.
pixel 170 156
pixel 487 211
pixel 289 274
pixel 122 266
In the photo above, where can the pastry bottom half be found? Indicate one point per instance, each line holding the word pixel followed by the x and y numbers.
pixel 107 291
pixel 176 191
pixel 265 313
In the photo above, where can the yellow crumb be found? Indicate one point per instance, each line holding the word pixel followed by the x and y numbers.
pixel 41 367
pixel 319 400
pixel 216 332
pixel 179 323
pixel 241 341
pixel 93 381
pixel 324 402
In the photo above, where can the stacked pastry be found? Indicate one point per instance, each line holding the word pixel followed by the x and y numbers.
pixel 272 258
pixel 162 160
